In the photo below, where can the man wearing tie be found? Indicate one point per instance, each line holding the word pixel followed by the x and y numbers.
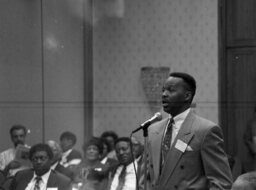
pixel 186 151
pixel 124 177
pixel 41 177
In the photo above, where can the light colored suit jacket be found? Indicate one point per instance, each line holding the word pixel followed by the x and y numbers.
pixel 196 159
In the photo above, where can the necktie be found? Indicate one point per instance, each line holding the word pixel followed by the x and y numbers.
pixel 37 184
pixel 121 179
pixel 167 140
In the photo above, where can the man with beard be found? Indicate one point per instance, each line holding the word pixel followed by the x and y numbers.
pixel 40 177
pixel 124 177
pixel 186 150
pixel 8 164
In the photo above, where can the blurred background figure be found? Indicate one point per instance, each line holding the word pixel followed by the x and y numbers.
pixel 109 162
pixel 250 141
pixel 245 181
pixel 16 158
pixel 91 173
pixel 40 176
pixel 57 152
pixel 111 137
pixel 124 176
pixel 70 156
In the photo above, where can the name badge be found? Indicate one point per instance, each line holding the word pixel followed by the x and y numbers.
pixel 52 188
pixel 180 145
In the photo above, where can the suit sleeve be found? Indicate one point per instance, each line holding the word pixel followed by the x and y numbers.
pixel 215 161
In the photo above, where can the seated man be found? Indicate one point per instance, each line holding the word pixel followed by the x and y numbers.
pixel 56 160
pixel 245 181
pixel 124 177
pixel 70 156
pixel 8 163
pixel 41 176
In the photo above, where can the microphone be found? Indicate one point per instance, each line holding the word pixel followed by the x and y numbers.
pixel 146 124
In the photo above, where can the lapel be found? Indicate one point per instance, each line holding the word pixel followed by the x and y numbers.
pixel 173 156
pixel 27 178
pixel 155 146
pixel 52 182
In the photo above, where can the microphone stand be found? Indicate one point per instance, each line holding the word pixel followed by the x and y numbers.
pixel 145 135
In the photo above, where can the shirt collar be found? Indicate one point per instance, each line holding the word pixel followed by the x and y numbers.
pixel 65 154
pixel 44 177
pixel 54 165
pixel 180 118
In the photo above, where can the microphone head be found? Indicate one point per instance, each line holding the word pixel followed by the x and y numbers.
pixel 158 116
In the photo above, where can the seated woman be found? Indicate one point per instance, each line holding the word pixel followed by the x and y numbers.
pixel 91 174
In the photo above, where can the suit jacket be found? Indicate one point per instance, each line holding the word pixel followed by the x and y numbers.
pixel 74 154
pixel 57 180
pixel 196 159
pixel 65 171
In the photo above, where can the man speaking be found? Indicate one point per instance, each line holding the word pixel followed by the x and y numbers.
pixel 186 150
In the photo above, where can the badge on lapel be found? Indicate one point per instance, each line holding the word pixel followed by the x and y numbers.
pixel 52 188
pixel 180 145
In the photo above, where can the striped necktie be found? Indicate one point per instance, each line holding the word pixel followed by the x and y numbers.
pixel 37 184
pixel 166 143
pixel 121 179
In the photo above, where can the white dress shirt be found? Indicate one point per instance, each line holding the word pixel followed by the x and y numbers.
pixel 178 121
pixel 130 178
pixel 42 184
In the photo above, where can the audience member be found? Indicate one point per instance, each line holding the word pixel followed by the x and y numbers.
pixel 111 137
pixel 70 156
pixel 8 163
pixel 245 181
pixel 250 141
pixel 186 150
pixel 91 172
pixel 41 176
pixel 56 149
pixel 124 176
pixel 109 162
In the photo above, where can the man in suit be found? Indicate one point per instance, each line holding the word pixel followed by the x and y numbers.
pixel 186 151
pixel 123 176
pixel 41 177
pixel 70 156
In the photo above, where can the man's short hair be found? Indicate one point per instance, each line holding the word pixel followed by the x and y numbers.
pixel 41 147
pixel 189 80
pixel 68 135
pixel 111 134
pixel 123 139
pixel 94 141
pixel 18 127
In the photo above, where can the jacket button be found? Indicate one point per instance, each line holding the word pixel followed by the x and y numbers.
pixel 176 186
pixel 182 167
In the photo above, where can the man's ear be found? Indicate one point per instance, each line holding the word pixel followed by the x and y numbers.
pixel 188 95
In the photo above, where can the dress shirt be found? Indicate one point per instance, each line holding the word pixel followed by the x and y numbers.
pixel 6 157
pixel 42 184
pixel 130 178
pixel 53 167
pixel 66 163
pixel 178 121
